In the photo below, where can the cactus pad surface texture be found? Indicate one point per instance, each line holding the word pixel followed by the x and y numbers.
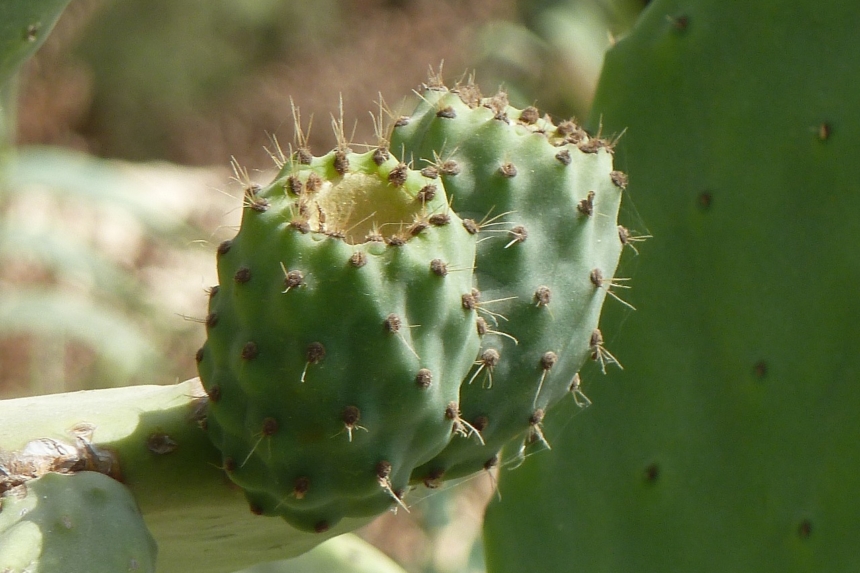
pixel 79 523
pixel 543 199
pixel 729 441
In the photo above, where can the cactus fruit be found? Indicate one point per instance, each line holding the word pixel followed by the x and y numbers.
pixel 80 523
pixel 729 441
pixel 543 200
pixel 337 337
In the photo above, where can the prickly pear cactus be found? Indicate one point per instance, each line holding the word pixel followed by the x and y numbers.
pixel 728 442
pixel 542 199
pixel 337 336
pixel 78 523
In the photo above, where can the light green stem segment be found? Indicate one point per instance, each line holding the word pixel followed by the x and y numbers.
pixel 150 438
pixel 347 553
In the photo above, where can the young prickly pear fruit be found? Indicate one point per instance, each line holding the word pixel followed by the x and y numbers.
pixel 337 337
pixel 543 200
pixel 85 522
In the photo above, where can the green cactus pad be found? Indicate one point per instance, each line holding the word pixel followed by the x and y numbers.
pixel 337 338
pixel 543 200
pixel 78 523
pixel 729 441
pixel 24 26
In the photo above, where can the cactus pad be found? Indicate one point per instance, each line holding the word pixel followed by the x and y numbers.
pixel 78 523
pixel 728 442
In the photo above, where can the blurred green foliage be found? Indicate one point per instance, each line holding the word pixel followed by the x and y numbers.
pixel 554 54
pixel 159 62
pixel 61 283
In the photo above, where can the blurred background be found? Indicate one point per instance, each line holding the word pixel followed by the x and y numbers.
pixel 119 186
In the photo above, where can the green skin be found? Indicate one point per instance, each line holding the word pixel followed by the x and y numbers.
pixel 279 414
pixel 51 528
pixel 345 553
pixel 729 441
pixel 24 26
pixel 515 169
